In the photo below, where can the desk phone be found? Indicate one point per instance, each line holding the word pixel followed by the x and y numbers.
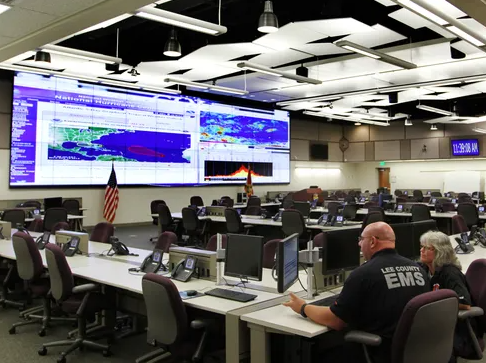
pixel 43 240
pixel 399 208
pixel 184 269
pixel 71 248
pixel 153 262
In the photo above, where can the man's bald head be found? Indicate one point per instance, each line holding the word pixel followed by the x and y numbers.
pixel 376 237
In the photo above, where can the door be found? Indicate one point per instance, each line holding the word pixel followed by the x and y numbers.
pixel 384 178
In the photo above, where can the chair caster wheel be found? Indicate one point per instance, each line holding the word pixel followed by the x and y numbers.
pixel 107 353
pixel 42 351
pixel 42 333
pixel 11 331
pixel 61 360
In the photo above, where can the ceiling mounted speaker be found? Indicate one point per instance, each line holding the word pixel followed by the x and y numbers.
pixel 268 22
pixel 113 67
pixel 393 97
pixel 41 56
pixel 303 72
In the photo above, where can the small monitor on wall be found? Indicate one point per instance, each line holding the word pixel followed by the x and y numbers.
pixel 466 147
pixel 319 152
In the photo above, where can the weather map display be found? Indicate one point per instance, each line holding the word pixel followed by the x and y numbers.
pixel 69 132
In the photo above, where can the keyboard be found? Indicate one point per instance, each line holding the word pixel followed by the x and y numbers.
pixel 231 295
pixel 328 301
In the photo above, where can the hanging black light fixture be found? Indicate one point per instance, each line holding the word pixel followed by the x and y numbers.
pixel 268 22
pixel 172 47
pixel 41 56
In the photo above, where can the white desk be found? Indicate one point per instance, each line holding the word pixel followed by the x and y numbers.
pixel 263 205
pixel 467 259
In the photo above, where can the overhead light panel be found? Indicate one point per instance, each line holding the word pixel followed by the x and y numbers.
pixel 180 21
pixel 172 47
pixel 268 22
pixel 205 86
pixel 435 110
pixel 344 118
pixel 375 54
pixel 81 54
pixel 433 127
pixel 4 8
pixel 104 24
pixel 275 72
pixel 462 34
pixel 423 12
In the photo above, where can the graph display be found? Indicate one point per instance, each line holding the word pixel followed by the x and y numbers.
pixel 69 132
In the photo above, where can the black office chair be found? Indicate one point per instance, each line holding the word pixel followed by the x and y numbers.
pixel 371 217
pixel 349 212
pixel 417 194
pixel 334 208
pixel 233 222
pixel 302 207
pixel 377 209
pixel 420 212
pixel 167 223
pixel 72 206
pixel 436 194
pixel 197 201
pixel 288 202
pixel 227 202
pixel 470 213
pixel 169 325
pixel 254 202
pixel 154 210
pixel 398 192
pixel 32 204
pixel 14 216
pixel 464 199
pixel 196 230
pixel 53 216
pixel 254 211
pixel 293 222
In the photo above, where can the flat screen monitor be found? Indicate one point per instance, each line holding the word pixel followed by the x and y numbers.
pixel 469 147
pixel 288 262
pixel 67 132
pixel 404 243
pixel 340 251
pixel 419 228
pixel 55 202
pixel 244 257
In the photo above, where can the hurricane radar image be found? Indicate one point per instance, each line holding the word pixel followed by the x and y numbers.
pixel 243 130
pixel 109 144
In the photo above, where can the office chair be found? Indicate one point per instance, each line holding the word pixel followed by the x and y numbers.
pixel 477 287
pixel 318 240
pixel 32 203
pixel 233 222
pixel 459 224
pixel 269 250
pixel 334 208
pixel 447 206
pixel 14 216
pixel 464 199
pixel 197 201
pixel 401 200
pixel 420 212
pixel 435 194
pixel 470 213
pixel 417 194
pixel 167 223
pixel 165 241
pixel 227 202
pixel 426 199
pixel 371 217
pixel 102 232
pixel 349 212
pixel 60 226
pixel 288 202
pixel 377 209
pixel 398 193
pixel 53 216
pixel 425 331
pixel 194 227
pixel 292 222
pixel 367 205
pixel 154 210
pixel 72 206
pixel 302 207
pixel 31 270
pixel 213 242
pixel 83 300
pixel 169 324
pixel 254 211
pixel 254 202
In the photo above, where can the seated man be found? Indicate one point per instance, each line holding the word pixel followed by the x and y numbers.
pixel 373 296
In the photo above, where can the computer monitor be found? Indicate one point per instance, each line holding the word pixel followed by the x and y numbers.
pixel 303 207
pixel 419 228
pixel 55 202
pixel 405 192
pixel 287 262
pixel 340 251
pixel 404 239
pixel 244 256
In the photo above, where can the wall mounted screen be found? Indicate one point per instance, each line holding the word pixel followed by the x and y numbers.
pixel 468 147
pixel 68 132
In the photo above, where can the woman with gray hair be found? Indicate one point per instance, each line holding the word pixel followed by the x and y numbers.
pixel 439 259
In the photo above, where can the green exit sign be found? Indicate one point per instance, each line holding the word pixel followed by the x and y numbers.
pixel 382 163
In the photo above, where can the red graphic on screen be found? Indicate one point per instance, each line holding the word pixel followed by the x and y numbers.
pixel 136 149
pixel 241 172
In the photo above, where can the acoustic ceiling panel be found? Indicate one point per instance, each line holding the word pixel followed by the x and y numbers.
pixel 279 57
pixel 56 7
pixel 162 67
pixel 210 71
pixel 320 49
pixel 336 27
pixel 223 52
pixel 445 7
pixel 466 48
pixel 30 20
pixel 380 35
pixel 386 2
pixel 415 21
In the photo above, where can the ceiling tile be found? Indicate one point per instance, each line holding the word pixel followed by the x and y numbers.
pixel 336 27
pixel 277 58
pixel 415 21
pixel 466 48
pixel 474 25
pixel 445 7
pixel 386 2
pixel 162 67
pixel 56 7
pixel 319 49
pixel 223 52
pixel 209 71
pixel 378 36
pixel 18 22
pixel 5 40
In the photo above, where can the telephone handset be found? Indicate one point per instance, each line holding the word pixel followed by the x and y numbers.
pixel 201 212
pixel 117 247
pixel 43 240
pixel 71 247
pixel 323 219
pixel 21 228
pixel 184 269
pixel 153 262
pixel 277 216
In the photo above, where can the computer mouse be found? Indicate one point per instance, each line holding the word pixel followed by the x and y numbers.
pixel 191 292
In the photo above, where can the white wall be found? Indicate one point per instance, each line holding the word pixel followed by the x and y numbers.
pixel 418 174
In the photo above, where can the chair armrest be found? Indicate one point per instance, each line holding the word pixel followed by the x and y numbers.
pixel 81 289
pixel 471 313
pixel 206 324
pixel 357 336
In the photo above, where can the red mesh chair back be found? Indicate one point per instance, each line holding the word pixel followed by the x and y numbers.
pixel 319 240
pixel 477 286
pixel 60 226
pixel 448 206
pixel 72 206
pixel 213 242
pixel 29 260
pixel 254 211
pixel 102 232
pixel 60 274
pixel 254 202
pixel 166 239
pixel 269 250
pixel 292 222
pixel 459 225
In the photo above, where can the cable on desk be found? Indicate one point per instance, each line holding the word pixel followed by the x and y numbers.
pixel 298 276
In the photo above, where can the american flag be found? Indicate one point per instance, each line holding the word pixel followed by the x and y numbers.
pixel 111 197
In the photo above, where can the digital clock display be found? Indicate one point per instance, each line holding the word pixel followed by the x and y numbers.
pixel 468 147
